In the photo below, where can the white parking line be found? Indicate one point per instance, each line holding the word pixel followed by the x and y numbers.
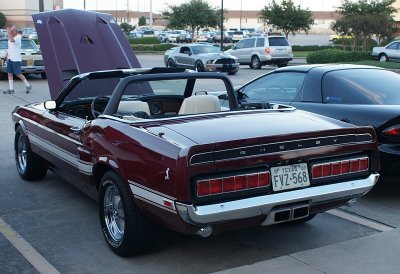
pixel 34 257
pixel 360 220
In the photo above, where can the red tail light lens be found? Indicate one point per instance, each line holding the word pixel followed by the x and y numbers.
pixel 337 168
pixel 393 131
pixel 215 186
pixel 267 50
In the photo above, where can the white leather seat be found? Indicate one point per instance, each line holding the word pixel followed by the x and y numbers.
pixel 200 104
pixel 133 106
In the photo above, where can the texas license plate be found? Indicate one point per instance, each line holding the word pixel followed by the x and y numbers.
pixel 288 177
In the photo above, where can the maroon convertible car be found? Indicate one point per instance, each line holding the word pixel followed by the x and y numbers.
pixel 155 148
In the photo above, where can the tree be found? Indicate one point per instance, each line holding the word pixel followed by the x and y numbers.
pixel 287 17
pixel 3 20
pixel 195 14
pixel 364 19
pixel 142 21
pixel 126 27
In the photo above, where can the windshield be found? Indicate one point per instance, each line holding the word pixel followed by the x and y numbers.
pixel 361 86
pixel 25 44
pixel 278 41
pixel 205 49
pixel 282 86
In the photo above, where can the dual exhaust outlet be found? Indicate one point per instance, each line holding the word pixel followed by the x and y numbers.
pixel 287 213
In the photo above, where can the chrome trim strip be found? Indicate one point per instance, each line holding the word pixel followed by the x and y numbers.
pixel 48 129
pixel 151 190
pixel 262 205
pixel 154 204
pixel 276 152
pixel 83 167
pixel 152 196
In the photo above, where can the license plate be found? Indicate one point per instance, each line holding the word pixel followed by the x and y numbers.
pixel 289 177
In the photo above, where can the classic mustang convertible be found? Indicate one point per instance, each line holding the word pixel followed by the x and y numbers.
pixel 155 148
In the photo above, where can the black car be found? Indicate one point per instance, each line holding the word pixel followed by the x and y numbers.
pixel 361 95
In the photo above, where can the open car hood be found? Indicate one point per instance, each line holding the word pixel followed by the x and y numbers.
pixel 74 42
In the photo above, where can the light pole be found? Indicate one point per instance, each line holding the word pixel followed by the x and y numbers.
pixel 240 22
pixel 222 25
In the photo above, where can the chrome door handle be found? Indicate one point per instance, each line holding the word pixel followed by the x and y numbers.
pixel 75 130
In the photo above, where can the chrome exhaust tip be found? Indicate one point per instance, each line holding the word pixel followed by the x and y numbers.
pixel 205 231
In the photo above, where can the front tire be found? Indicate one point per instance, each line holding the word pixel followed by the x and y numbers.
pixel 126 231
pixel 199 66
pixel 29 166
pixel 170 63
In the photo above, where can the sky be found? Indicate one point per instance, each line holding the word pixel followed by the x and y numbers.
pixel 160 5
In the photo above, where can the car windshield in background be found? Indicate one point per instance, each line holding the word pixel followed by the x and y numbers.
pixel 274 87
pixel 25 44
pixel 361 86
pixel 205 49
pixel 278 41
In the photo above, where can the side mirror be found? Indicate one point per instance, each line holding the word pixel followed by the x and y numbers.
pixel 50 105
pixel 223 96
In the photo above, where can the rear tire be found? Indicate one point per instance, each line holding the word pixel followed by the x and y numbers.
pixel 282 64
pixel 43 75
pixel 29 166
pixel 383 57
pixel 124 227
pixel 255 62
pixel 232 72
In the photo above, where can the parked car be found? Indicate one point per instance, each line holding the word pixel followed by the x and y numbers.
pixel 217 37
pixel 201 36
pixel 32 60
pixel 154 148
pixel 260 51
pixel 361 95
pixel 3 34
pixel 184 38
pixel 201 57
pixel 162 36
pixel 33 35
pixel 238 35
pixel 149 33
pixel 174 34
pixel 390 52
pixel 27 31
pixel 135 34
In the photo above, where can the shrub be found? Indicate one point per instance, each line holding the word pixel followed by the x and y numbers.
pixel 159 47
pixel 3 20
pixel 337 56
pixel 312 47
pixel 144 40
pixel 349 42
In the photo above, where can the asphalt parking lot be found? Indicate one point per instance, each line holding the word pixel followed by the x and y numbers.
pixel 48 226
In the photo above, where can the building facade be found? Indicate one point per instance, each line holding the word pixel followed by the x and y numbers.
pixel 19 12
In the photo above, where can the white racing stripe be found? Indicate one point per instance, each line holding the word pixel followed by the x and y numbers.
pixel 30 254
pixel 360 220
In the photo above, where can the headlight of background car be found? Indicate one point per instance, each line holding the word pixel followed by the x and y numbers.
pixel 210 62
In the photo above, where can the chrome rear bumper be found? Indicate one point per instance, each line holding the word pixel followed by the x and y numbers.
pixel 264 205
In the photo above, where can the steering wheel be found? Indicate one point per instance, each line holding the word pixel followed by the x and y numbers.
pixel 96 113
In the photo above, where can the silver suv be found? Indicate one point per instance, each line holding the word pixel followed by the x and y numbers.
pixel 260 51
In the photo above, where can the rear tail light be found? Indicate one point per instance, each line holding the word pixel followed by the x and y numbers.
pixel 207 187
pixel 393 131
pixel 267 50
pixel 325 170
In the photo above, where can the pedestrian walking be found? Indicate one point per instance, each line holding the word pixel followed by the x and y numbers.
pixel 14 60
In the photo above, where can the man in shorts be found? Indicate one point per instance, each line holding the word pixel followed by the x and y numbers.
pixel 14 60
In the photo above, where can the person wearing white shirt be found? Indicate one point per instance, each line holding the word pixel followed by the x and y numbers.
pixel 14 60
